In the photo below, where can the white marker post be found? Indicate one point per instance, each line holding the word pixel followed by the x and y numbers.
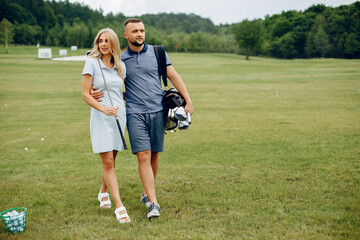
pixel 44 53
pixel 62 52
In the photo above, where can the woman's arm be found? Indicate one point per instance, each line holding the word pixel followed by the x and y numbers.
pixel 86 87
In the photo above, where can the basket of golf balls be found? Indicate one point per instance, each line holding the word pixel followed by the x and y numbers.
pixel 14 219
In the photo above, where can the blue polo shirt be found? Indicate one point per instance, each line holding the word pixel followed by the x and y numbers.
pixel 143 83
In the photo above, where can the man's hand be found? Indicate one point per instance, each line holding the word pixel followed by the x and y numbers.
pixel 189 108
pixel 96 94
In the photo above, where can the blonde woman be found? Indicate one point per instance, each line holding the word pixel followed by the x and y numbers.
pixel 104 62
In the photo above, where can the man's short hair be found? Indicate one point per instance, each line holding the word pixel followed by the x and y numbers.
pixel 132 20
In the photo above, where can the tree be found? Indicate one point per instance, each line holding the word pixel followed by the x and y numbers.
pixel 317 44
pixel 14 12
pixel 197 42
pixel 319 31
pixel 249 35
pixel 27 34
pixel 352 46
pixel 284 47
pixel 77 34
pixel 281 27
pixel 6 32
pixel 321 41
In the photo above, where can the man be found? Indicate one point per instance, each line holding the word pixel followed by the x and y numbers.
pixel 145 120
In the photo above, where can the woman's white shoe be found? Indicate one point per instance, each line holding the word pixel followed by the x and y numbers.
pixel 105 203
pixel 121 218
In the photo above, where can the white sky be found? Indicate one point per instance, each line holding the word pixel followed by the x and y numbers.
pixel 225 11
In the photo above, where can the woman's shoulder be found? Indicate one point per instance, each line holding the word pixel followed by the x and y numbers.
pixel 90 59
pixel 123 65
pixel 92 62
pixel 90 66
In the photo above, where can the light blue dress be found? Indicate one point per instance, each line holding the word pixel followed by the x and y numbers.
pixel 105 135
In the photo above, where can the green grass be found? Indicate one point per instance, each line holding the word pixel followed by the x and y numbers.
pixel 252 165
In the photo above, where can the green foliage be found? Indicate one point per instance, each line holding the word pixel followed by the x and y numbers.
pixel 27 34
pixel 280 28
pixel 61 23
pixel 319 31
pixel 322 42
pixel 172 23
pixel 6 33
pixel 6 28
pixel 352 46
pixel 318 40
pixel 249 35
pixel 21 15
pixel 284 47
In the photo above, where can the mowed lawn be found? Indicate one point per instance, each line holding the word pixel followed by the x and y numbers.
pixel 273 152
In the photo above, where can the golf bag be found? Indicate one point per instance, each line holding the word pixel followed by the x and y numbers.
pixel 173 102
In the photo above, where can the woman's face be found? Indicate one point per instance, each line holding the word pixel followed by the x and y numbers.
pixel 104 44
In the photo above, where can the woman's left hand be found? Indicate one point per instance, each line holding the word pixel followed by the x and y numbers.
pixel 110 111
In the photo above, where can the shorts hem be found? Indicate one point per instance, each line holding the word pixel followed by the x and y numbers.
pixel 105 151
pixel 136 151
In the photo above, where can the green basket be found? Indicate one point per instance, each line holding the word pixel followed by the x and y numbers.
pixel 15 223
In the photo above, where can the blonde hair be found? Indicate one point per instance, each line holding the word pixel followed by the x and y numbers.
pixel 114 46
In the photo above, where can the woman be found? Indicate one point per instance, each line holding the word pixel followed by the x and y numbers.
pixel 104 62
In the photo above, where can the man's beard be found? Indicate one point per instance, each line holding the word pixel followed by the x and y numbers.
pixel 137 44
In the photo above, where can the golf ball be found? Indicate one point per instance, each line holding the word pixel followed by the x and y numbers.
pixel 42 139
pixel 29 129
pixel 5 105
pixel 26 149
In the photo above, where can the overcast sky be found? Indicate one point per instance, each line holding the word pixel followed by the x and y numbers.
pixel 225 11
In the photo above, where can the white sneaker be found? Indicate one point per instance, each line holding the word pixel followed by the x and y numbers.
pixel 154 211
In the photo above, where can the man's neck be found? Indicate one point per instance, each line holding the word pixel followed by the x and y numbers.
pixel 136 48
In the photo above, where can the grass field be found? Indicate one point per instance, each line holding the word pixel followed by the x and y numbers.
pixel 273 152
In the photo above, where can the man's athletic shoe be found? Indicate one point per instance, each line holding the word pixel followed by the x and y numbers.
pixel 154 211
pixel 145 200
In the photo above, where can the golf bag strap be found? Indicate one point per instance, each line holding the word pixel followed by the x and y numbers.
pixel 161 60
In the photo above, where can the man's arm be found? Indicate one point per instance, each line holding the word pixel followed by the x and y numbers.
pixel 96 94
pixel 180 86
pixel 99 94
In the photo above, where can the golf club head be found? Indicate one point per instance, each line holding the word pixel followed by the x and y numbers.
pixel 183 125
pixel 180 113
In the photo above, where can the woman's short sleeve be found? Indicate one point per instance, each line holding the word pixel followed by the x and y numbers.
pixel 123 69
pixel 89 67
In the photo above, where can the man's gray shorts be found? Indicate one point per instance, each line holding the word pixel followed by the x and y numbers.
pixel 146 131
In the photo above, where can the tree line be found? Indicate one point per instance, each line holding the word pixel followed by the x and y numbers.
pixel 319 31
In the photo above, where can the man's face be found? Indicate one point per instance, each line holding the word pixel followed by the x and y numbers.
pixel 135 33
